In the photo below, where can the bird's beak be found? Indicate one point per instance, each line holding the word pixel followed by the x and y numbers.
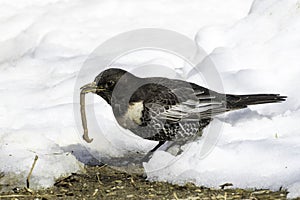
pixel 91 87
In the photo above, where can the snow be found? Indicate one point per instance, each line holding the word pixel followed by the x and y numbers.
pixel 254 46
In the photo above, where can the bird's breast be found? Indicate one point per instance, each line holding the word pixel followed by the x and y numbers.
pixel 132 117
pixel 134 112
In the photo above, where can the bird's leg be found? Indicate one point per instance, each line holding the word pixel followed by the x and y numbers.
pixel 160 143
pixel 176 144
pixel 180 143
pixel 146 158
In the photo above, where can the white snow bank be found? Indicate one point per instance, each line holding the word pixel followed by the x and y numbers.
pixel 43 45
pixel 18 151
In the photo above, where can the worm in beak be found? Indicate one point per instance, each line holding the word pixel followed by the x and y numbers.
pixel 90 87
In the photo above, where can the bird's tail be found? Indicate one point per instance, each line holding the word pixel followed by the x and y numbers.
pixel 242 101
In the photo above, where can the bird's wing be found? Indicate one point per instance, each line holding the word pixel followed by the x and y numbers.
pixel 190 104
pixel 191 111
pixel 176 100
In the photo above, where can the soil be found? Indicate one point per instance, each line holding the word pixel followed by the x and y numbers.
pixel 104 182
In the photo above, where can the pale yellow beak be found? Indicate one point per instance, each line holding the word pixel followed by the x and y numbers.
pixel 91 87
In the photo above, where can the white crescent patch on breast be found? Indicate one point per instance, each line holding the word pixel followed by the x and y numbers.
pixel 134 112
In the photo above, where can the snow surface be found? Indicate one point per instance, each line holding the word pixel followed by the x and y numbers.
pixel 254 45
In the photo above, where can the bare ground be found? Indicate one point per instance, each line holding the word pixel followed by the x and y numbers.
pixel 103 182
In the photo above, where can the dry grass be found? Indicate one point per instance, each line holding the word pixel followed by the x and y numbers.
pixel 107 183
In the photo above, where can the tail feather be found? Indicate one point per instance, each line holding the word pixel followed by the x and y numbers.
pixel 242 101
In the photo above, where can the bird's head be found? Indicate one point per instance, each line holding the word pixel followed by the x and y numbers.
pixel 105 83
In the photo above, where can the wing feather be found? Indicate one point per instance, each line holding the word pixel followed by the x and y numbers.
pixel 192 111
pixel 181 101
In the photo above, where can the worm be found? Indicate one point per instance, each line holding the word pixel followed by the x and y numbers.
pixel 84 90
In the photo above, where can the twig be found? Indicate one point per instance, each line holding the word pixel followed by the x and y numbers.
pixel 98 178
pixel 175 195
pixel 29 190
pixel 102 166
pixel 225 185
pixel 133 183
pixel 95 192
pixel 30 172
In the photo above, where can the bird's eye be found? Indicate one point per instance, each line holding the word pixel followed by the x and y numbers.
pixel 110 83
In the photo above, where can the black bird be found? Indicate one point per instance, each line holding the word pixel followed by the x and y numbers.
pixel 163 109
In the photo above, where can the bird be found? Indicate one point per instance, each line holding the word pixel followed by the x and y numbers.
pixel 163 109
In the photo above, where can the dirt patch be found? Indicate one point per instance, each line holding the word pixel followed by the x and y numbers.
pixel 107 183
